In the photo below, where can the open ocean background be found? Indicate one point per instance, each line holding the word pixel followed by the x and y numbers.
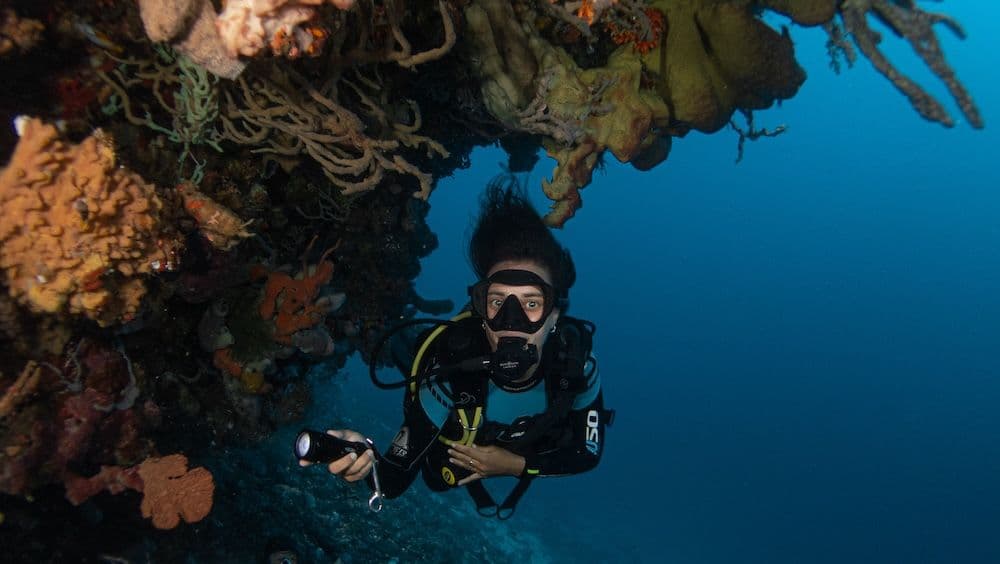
pixel 803 348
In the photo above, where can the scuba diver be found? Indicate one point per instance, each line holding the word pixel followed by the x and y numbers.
pixel 506 388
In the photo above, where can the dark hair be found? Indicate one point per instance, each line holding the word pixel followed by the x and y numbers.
pixel 509 228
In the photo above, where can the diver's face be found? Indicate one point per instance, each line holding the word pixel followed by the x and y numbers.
pixel 531 299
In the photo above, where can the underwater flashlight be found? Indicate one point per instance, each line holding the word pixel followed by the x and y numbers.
pixel 314 446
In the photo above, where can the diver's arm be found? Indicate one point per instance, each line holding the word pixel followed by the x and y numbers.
pixel 580 448
pixel 400 463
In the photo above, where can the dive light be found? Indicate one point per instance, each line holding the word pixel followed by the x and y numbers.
pixel 314 446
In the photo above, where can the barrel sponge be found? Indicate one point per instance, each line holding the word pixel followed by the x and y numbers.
pixel 718 57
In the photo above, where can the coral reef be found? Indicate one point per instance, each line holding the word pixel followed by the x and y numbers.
pixel 96 422
pixel 230 193
pixel 286 114
pixel 711 60
pixel 286 316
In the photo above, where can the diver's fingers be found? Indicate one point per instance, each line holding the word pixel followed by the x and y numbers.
pixel 340 465
pixel 304 463
pixel 466 463
pixel 364 460
pixel 361 467
pixel 347 435
pixel 470 478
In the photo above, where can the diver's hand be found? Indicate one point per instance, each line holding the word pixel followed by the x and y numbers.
pixel 350 467
pixel 485 461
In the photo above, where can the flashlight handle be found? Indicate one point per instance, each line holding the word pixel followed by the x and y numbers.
pixel 326 448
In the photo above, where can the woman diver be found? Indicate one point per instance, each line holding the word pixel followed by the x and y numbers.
pixel 508 387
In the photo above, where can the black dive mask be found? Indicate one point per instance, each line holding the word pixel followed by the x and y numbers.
pixel 511 316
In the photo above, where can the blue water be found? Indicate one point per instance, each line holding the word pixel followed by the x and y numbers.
pixel 803 348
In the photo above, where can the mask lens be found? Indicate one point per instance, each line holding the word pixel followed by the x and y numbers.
pixel 513 300
pixel 530 300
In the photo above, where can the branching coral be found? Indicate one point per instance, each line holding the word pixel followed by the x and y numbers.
pixel 79 232
pixel 288 115
pixel 181 88
pixel 916 26
pixel 380 38
pixel 704 61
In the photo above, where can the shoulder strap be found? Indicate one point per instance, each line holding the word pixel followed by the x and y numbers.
pixel 485 505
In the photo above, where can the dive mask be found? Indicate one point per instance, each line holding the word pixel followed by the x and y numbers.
pixel 511 315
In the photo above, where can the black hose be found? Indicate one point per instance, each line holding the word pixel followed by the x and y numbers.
pixel 377 350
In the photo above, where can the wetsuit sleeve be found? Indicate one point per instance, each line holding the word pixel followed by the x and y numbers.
pixel 581 444
pixel 400 463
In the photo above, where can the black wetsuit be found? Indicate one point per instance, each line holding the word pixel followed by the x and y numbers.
pixel 557 425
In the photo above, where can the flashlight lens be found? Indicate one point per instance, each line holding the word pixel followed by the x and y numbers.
pixel 302 445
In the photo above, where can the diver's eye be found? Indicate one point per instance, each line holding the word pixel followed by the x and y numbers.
pixel 532 304
pixel 496 302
